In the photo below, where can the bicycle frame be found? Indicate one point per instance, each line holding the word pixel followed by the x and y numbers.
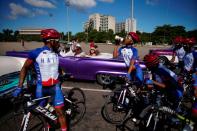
pixel 30 107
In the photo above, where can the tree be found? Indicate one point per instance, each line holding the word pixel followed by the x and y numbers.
pixel 192 33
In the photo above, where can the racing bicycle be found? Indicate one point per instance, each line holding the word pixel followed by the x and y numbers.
pixel 30 116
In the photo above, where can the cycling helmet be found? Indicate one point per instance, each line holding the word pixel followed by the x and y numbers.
pixel 134 37
pixel 151 60
pixel 178 40
pixel 190 41
pixel 50 34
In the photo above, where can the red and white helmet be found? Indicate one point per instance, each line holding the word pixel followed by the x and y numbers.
pixel 151 60
pixel 178 40
pixel 134 37
pixel 50 34
pixel 190 41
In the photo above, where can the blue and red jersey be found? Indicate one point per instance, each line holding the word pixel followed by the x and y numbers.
pixel 46 63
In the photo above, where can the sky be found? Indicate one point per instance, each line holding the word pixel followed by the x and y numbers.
pixel 19 14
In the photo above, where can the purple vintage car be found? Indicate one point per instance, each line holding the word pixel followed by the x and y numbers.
pixel 165 55
pixel 88 68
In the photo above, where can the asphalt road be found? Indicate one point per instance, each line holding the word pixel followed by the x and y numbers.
pixel 92 120
pixel 95 99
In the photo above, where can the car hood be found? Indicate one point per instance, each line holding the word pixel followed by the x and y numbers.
pixel 10 64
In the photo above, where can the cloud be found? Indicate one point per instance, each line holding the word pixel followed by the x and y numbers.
pixel 39 12
pixel 18 10
pixel 81 4
pixel 40 3
pixel 152 2
pixel 109 1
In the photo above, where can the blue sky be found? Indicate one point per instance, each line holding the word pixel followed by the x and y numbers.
pixel 17 14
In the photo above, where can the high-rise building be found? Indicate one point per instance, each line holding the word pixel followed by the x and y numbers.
pixel 120 27
pixel 100 22
pixel 130 25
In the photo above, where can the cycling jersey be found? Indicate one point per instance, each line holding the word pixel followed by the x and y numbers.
pixel 180 53
pixel 195 60
pixel 169 78
pixel 188 61
pixel 129 53
pixel 46 64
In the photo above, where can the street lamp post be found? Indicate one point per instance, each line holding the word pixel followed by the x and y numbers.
pixel 67 15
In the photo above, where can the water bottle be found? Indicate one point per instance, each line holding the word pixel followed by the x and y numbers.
pixel 49 107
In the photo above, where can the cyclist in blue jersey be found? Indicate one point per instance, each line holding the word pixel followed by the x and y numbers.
pixel 163 78
pixel 190 66
pixel 178 51
pixel 46 63
pixel 130 55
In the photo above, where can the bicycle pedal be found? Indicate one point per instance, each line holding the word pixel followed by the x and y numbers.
pixel 68 111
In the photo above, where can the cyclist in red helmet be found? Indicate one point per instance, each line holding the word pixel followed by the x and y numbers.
pixel 188 58
pixel 178 51
pixel 46 64
pixel 163 79
pixel 130 55
pixel 190 67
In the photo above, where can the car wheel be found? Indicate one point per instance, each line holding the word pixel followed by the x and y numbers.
pixel 104 79
pixel 163 60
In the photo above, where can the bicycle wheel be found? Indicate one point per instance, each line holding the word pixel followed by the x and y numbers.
pixel 36 123
pixel 78 106
pixel 11 122
pixel 112 114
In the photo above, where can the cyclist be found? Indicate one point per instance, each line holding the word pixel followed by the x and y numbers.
pixel 130 55
pixel 190 66
pixel 179 51
pixel 46 63
pixel 188 58
pixel 163 79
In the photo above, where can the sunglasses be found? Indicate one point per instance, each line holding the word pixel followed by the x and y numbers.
pixel 53 40
pixel 129 37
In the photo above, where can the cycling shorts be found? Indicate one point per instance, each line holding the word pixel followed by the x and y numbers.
pixel 54 91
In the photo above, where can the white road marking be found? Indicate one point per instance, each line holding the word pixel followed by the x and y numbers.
pixel 88 89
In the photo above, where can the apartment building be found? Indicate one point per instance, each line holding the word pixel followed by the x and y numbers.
pixel 101 22
pixel 119 27
pixel 105 22
pixel 130 25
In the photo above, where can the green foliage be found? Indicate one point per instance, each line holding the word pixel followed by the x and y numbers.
pixel 161 35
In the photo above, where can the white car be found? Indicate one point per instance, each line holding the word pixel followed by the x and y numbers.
pixel 9 74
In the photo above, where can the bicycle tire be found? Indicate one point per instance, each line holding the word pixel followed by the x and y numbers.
pixel 36 123
pixel 78 108
pixel 11 122
pixel 113 115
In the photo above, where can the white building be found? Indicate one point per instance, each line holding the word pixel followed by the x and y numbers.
pixel 130 25
pixel 101 22
pixel 119 27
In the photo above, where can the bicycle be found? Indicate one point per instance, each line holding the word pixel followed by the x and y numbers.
pixel 122 103
pixel 162 114
pixel 32 117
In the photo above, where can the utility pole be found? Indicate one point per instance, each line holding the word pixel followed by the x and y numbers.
pixel 67 15
pixel 132 9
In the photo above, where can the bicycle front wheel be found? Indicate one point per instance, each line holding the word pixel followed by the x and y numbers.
pixel 11 122
pixel 112 114
pixel 78 106
pixel 36 123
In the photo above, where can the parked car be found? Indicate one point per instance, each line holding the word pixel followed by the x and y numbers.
pixel 9 74
pixel 165 55
pixel 99 68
